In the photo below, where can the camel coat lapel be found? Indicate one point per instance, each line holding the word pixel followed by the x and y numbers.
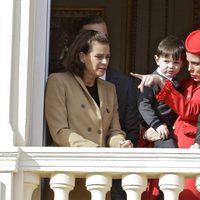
pixel 74 118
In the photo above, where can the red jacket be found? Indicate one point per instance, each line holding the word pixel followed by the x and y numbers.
pixel 187 106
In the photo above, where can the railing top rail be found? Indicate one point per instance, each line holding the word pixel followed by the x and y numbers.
pixel 80 161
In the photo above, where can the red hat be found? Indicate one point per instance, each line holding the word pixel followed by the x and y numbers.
pixel 192 42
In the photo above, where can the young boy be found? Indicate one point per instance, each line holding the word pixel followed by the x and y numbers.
pixel 158 117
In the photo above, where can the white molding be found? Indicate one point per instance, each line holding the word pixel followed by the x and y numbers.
pixel 151 162
pixel 81 161
pixel 6 26
pixel 39 29
pixel 23 78
pixel 9 158
pixel 6 186
pixel 114 160
pixel 23 63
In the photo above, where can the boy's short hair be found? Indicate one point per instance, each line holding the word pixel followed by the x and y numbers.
pixel 171 46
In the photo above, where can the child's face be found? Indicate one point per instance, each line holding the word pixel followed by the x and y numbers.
pixel 168 66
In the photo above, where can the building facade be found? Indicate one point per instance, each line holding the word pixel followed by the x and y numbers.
pixel 24 161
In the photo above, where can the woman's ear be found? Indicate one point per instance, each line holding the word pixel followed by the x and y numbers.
pixel 82 57
pixel 156 59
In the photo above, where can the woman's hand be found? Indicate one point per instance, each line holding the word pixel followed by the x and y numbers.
pixel 126 144
pixel 148 80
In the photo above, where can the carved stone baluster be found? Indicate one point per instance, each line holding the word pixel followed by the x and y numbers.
pixel 198 182
pixel 171 185
pixel 31 182
pixel 98 185
pixel 62 184
pixel 134 185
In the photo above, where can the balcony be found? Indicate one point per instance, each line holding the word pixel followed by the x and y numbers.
pixel 21 170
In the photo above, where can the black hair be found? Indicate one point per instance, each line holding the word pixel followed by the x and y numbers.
pixel 89 19
pixel 172 46
pixel 82 43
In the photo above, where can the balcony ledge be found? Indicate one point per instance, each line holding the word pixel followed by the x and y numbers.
pixel 81 161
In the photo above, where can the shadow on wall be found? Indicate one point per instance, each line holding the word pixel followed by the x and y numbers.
pixel 2 191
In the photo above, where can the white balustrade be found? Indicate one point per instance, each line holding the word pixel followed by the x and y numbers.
pixel 62 184
pixel 198 182
pixel 134 185
pixel 22 167
pixel 98 185
pixel 171 185
pixel 31 182
pixel 2 191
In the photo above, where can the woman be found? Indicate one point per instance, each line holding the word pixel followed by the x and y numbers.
pixel 81 109
pixel 185 104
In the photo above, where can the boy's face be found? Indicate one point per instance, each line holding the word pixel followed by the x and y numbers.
pixel 168 66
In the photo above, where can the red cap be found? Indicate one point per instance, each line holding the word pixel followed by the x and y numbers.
pixel 192 42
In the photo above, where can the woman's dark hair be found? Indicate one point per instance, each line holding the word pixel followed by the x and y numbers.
pixel 82 43
pixel 171 46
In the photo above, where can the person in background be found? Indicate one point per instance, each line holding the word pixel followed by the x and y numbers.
pixel 185 104
pixel 158 117
pixel 126 95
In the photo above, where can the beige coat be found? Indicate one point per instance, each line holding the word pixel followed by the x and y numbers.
pixel 75 120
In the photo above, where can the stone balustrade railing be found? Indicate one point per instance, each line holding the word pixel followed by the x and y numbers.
pixel 22 167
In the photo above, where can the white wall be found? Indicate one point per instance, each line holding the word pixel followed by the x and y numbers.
pixel 23 55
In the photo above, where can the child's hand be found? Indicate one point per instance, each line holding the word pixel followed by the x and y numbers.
pixel 163 131
pixel 195 146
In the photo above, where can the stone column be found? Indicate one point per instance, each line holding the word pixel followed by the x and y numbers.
pixel 98 185
pixel 62 184
pixel 171 185
pixel 31 182
pixel 6 186
pixel 6 37
pixel 134 185
pixel 198 182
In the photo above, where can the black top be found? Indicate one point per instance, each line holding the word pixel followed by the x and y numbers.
pixel 94 93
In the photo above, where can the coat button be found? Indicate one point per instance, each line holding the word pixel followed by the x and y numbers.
pixel 89 129
pixel 99 131
pixel 82 105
